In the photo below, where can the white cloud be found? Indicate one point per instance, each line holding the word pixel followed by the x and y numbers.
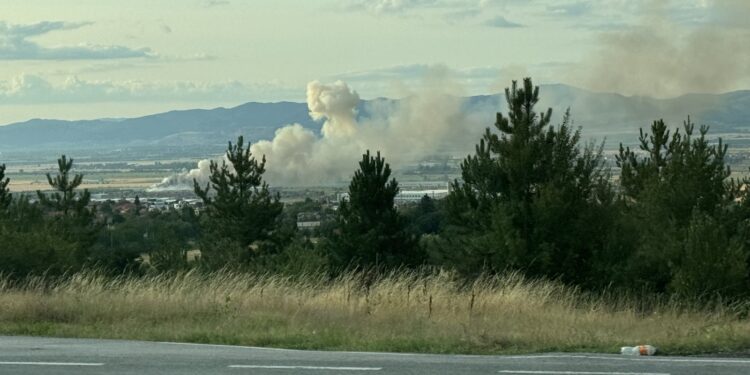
pixel 501 22
pixel 479 79
pixel 15 44
pixel 451 11
pixel 215 3
pixel 33 89
pixel 574 9
pixel 389 6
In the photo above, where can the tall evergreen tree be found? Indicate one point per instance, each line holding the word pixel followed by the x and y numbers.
pixel 65 199
pixel 684 171
pixel 241 211
pixel 5 196
pixel 426 217
pixel 370 230
pixel 30 245
pixel 529 194
pixel 678 190
pixel 68 214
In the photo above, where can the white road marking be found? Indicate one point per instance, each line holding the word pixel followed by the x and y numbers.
pixel 531 356
pixel 308 368
pixel 580 372
pixel 50 364
pixel 637 358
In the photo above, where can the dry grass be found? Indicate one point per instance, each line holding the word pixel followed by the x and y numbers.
pixel 399 312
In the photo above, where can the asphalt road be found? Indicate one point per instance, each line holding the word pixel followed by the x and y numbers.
pixel 35 355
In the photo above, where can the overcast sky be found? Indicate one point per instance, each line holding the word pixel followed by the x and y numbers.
pixel 113 58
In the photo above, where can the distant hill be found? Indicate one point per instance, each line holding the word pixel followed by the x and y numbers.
pixel 197 126
pixel 613 116
pixel 617 118
pixel 608 114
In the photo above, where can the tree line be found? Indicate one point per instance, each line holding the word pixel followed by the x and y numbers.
pixel 532 198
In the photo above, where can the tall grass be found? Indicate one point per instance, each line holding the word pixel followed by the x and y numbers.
pixel 402 311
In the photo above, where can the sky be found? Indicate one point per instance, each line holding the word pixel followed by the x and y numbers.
pixel 109 58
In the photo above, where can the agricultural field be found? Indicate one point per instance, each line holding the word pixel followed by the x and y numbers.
pixel 135 174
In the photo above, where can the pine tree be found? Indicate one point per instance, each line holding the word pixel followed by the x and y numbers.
pixel 370 232
pixel 65 198
pixel 681 171
pixel 526 194
pixel 29 244
pixel 242 213
pixel 425 218
pixel 138 205
pixel 5 196
pixel 691 234
pixel 71 218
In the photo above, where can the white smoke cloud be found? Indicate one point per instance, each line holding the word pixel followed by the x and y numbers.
pixel 427 121
pixel 182 181
pixel 666 57
pixel 336 104
pixel 297 156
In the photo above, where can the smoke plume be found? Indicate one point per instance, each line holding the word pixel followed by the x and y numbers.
pixel 665 56
pixel 182 181
pixel 417 126
pixel 336 104
pixel 426 121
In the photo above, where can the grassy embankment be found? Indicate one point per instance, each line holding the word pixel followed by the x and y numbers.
pixel 403 312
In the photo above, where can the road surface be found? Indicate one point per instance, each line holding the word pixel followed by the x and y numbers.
pixel 39 355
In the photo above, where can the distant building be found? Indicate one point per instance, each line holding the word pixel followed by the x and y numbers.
pixel 407 196
pixel 308 220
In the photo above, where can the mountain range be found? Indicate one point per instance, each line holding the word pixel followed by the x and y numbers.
pixel 601 115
